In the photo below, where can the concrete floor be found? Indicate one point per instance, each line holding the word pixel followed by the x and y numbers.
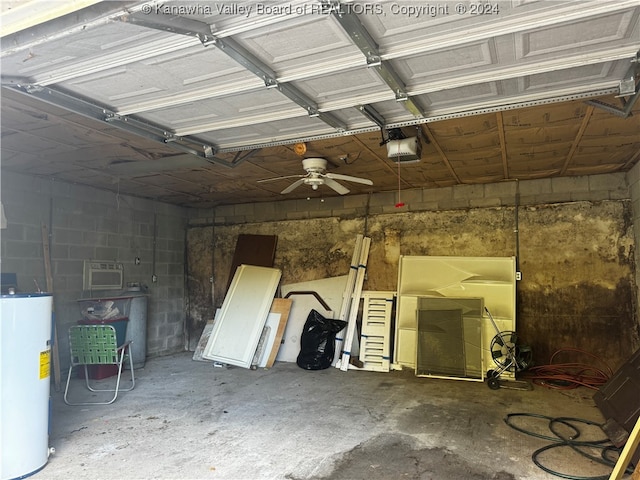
pixel 191 420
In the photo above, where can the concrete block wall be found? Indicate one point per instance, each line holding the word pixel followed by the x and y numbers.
pixel 83 224
pixel 575 247
pixel 531 192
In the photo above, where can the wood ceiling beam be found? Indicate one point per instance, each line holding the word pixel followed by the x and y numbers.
pixel 576 140
pixel 436 145
pixel 503 145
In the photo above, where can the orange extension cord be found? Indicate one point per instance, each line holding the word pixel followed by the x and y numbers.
pixel 567 376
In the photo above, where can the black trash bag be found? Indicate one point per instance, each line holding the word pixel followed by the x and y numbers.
pixel 317 342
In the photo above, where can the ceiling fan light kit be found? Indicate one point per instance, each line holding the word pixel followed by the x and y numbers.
pixel 317 175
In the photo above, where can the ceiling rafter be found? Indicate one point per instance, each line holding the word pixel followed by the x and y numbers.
pixel 503 145
pixel 578 137
pixel 436 145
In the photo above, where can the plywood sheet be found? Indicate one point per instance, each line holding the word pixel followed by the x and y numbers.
pixel 282 307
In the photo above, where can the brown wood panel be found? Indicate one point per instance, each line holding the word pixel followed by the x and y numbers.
pixel 619 402
pixel 283 307
pixel 258 250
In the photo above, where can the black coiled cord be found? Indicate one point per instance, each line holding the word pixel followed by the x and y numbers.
pixel 558 440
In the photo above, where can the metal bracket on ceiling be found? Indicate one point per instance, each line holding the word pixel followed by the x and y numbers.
pixel 373 115
pixel 369 47
pixel 628 86
pixel 138 127
pixel 237 52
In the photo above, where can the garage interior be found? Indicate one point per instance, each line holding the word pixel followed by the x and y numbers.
pixel 144 141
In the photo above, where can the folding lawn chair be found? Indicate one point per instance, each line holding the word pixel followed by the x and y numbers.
pixel 97 345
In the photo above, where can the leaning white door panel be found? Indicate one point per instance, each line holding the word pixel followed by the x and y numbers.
pixel 243 314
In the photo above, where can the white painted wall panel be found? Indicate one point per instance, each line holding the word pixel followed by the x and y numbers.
pixel 243 314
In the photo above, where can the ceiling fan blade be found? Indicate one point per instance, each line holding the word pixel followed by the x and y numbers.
pixel 293 186
pixel 280 178
pixel 348 178
pixel 336 186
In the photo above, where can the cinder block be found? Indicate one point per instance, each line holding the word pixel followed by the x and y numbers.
pixel 264 211
pixel 235 220
pixel 571 185
pixel 118 241
pixel 633 175
pixel 383 199
pixel 593 196
pixel 437 194
pixel 411 196
pixel 372 210
pixel 224 211
pixel 107 253
pixel 347 213
pixel 551 198
pixel 485 202
pixel 505 191
pixel 468 192
pixel 609 182
pixel 15 232
pixel 67 236
pixel 22 249
pixel 67 267
pixel 78 252
pixel 535 187
pixel 326 204
pixel 320 213
pixel 297 215
pixel 424 206
pixel 244 209
pixel 620 195
pixel 453 204
pixel 105 224
pixel 392 209
pixel 354 201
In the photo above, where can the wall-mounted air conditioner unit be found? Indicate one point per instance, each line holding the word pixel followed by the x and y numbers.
pixel 404 149
pixel 102 275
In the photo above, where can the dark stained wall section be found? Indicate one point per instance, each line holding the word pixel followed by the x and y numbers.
pixel 578 287
pixel 576 258
pixel 199 301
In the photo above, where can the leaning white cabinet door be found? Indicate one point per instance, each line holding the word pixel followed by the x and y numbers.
pixel 243 314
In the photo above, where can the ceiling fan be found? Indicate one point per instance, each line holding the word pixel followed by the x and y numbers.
pixel 317 175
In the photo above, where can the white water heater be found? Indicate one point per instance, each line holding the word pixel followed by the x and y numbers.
pixel 25 366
